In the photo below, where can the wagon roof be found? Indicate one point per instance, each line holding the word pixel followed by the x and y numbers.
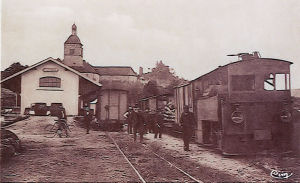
pixel 179 86
pixel 236 62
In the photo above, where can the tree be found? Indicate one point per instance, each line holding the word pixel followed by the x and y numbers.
pixel 150 89
pixel 12 69
pixel 162 78
pixel 135 92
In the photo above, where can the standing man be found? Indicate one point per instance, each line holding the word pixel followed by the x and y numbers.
pixel 128 119
pixel 151 121
pixel 188 123
pixel 88 116
pixel 159 124
pixel 138 123
pixel 62 121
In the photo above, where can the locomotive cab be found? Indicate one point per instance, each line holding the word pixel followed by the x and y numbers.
pixel 256 114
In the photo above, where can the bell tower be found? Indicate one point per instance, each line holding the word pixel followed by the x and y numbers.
pixel 73 51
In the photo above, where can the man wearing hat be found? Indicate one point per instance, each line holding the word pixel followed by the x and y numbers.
pixel 158 124
pixel 128 119
pixel 188 123
pixel 88 117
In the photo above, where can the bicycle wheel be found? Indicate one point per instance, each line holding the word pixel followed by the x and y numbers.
pixel 48 127
pixel 65 129
pixel 52 127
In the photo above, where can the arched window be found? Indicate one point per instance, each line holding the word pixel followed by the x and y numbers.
pixel 50 81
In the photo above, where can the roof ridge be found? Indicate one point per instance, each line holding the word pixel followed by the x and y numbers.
pixel 55 61
pixel 112 66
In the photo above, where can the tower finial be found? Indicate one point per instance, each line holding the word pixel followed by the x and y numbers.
pixel 74 29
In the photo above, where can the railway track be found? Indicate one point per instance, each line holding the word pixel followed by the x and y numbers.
pixel 170 165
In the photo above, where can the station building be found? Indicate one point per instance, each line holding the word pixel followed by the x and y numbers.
pixel 73 82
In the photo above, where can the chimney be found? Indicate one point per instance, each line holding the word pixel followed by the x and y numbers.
pixel 141 71
pixel 249 56
pixel 256 54
pixel 246 56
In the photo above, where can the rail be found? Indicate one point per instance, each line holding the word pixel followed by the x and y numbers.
pixel 139 175
pixel 157 155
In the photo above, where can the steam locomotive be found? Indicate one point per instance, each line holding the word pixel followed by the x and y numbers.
pixel 241 107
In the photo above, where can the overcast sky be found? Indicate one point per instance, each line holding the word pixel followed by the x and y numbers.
pixel 193 37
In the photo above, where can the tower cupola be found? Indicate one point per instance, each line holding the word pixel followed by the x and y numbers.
pixel 73 51
pixel 74 29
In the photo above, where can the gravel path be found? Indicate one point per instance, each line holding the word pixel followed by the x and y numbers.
pixel 94 158
pixel 82 157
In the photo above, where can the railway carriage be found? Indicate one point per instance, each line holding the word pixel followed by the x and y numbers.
pixel 241 107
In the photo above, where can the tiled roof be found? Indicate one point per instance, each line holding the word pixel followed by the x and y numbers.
pixel 73 39
pixel 86 68
pixel 115 70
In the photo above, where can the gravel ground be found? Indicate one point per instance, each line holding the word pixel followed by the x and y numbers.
pixel 80 158
pixel 93 157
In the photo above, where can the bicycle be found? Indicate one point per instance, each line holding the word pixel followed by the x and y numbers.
pixel 58 128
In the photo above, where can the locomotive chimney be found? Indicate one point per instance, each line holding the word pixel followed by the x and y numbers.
pixel 249 56
pixel 246 56
pixel 141 71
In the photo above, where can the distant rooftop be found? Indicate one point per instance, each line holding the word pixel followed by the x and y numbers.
pixel 86 68
pixel 115 70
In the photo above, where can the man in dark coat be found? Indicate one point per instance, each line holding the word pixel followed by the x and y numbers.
pixel 150 120
pixel 138 123
pixel 158 124
pixel 88 117
pixel 188 123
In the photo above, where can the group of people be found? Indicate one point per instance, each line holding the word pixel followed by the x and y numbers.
pixel 143 122
pixel 152 121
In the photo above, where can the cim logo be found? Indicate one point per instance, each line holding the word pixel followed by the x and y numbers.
pixel 280 175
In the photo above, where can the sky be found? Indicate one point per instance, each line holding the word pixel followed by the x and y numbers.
pixel 193 37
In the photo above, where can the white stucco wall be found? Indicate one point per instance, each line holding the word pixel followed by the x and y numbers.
pixel 67 94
